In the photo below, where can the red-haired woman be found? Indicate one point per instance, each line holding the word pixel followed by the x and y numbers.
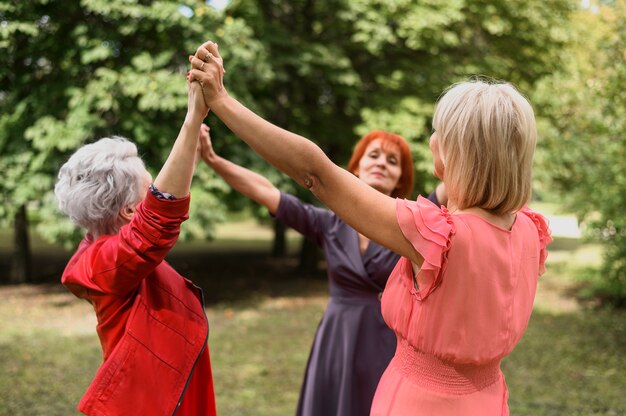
pixel 353 345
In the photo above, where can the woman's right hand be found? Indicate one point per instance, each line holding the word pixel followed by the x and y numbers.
pixel 207 68
pixel 206 147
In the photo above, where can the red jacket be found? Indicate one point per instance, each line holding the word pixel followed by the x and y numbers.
pixel 151 320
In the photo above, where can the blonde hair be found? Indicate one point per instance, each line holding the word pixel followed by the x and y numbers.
pixel 487 135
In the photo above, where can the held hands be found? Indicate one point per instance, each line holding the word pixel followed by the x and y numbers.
pixel 207 68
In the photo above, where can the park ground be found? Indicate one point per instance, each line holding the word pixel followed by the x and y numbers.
pixel 263 315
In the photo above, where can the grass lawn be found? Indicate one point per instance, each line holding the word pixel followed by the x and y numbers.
pixel 263 316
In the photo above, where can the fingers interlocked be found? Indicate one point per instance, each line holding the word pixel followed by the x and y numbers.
pixel 207 68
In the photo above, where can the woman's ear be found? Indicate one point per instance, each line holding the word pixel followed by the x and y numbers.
pixel 126 213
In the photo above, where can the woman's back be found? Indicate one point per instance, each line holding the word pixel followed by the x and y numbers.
pixel 471 305
pixel 485 284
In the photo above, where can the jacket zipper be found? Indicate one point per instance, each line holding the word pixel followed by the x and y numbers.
pixel 206 341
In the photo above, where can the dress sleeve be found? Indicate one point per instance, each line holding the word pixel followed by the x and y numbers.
pixel 545 237
pixel 428 228
pixel 308 220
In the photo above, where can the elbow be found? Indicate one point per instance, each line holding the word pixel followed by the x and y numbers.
pixel 314 184
pixel 314 164
pixel 309 181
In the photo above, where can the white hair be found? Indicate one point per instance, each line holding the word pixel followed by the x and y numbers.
pixel 98 181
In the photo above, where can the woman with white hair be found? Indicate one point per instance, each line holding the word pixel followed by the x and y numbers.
pixel 151 320
pixel 460 298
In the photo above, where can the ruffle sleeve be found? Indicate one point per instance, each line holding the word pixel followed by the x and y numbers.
pixel 544 235
pixel 429 229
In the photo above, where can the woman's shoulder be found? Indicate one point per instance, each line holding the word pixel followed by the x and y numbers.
pixel 429 229
pixel 290 204
pixel 422 218
pixel 540 223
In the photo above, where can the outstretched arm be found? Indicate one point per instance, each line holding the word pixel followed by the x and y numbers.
pixel 245 181
pixel 370 212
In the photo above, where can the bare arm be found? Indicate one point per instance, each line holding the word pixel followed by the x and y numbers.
pixel 245 181
pixel 370 212
pixel 175 175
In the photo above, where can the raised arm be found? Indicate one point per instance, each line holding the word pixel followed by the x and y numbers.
pixel 245 181
pixel 175 175
pixel 370 212
pixel 119 262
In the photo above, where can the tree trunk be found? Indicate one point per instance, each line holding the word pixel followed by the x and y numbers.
pixel 20 263
pixel 279 248
pixel 309 257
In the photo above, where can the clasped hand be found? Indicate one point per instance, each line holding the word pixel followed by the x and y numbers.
pixel 207 69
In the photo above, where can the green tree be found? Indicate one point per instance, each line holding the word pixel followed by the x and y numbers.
pixel 341 68
pixel 584 131
pixel 73 71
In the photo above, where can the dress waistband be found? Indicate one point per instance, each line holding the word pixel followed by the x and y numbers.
pixel 432 373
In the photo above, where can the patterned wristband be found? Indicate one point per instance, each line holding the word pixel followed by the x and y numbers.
pixel 161 195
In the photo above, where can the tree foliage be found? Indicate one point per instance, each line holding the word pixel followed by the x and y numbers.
pixel 74 71
pixel 342 68
pixel 584 127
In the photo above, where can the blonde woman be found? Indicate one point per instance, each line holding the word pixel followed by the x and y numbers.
pixel 455 315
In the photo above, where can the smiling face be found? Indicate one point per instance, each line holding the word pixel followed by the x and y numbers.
pixel 380 167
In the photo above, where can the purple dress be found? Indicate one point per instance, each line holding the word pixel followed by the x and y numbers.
pixel 353 345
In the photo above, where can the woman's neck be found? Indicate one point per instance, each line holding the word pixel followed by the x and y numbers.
pixel 501 220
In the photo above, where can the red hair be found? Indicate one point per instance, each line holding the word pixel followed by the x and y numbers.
pixel 405 183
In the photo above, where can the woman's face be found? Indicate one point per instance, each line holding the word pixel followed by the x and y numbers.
pixel 438 168
pixel 146 180
pixel 380 168
pixel 126 213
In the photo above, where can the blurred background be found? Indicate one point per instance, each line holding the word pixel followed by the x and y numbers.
pixel 73 71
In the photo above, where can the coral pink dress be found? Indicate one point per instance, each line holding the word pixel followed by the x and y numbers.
pixel 470 307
